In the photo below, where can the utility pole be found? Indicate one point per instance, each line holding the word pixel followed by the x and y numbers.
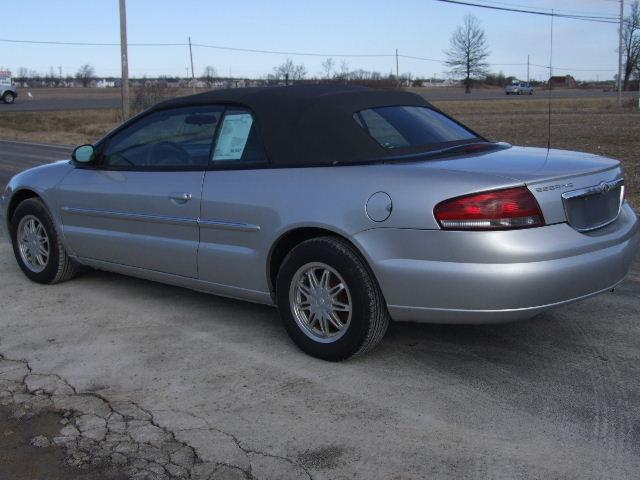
pixel 620 48
pixel 527 68
pixel 125 60
pixel 60 71
pixel 193 75
pixel 397 68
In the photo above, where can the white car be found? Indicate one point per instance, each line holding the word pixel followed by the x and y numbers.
pixel 521 88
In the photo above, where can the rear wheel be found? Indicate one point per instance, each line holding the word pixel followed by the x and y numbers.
pixel 8 97
pixel 36 245
pixel 329 302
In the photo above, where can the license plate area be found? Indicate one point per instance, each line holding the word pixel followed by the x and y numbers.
pixel 594 207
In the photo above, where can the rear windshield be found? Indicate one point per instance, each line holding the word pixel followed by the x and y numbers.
pixel 408 127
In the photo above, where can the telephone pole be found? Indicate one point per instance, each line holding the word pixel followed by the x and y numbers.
pixel 193 75
pixel 125 60
pixel 397 69
pixel 620 48
pixel 527 68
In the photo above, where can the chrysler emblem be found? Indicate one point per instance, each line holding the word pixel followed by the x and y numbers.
pixel 605 187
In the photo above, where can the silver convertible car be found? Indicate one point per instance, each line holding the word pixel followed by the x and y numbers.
pixel 345 207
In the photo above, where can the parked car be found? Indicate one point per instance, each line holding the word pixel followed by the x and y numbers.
pixel 8 93
pixel 521 88
pixel 344 207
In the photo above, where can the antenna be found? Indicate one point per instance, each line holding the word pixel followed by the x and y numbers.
pixel 550 76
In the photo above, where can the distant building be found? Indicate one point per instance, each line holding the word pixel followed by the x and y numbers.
pixel 5 77
pixel 563 82
pixel 104 83
pixel 437 82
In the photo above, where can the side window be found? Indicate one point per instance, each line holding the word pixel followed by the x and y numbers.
pixel 238 141
pixel 176 138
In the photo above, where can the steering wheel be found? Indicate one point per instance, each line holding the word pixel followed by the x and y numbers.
pixel 168 154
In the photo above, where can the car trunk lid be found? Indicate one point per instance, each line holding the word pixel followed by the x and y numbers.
pixel 582 189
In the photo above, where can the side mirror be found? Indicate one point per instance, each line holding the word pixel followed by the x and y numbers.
pixel 83 154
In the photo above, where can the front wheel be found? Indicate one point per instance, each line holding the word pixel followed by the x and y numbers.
pixel 8 97
pixel 330 304
pixel 37 246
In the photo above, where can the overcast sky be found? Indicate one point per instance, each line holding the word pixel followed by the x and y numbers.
pixel 415 27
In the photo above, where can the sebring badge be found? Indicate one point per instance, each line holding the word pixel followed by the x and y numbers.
pixel 549 188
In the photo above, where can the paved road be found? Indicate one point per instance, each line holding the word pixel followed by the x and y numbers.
pixel 23 104
pixel 78 103
pixel 436 94
pixel 18 156
pixel 555 397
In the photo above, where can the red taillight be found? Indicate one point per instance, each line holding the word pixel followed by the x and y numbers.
pixel 499 209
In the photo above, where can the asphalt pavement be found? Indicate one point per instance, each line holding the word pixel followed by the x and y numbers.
pixel 52 102
pixel 25 104
pixel 18 156
pixel 555 397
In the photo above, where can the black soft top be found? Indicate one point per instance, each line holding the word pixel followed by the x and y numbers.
pixel 308 124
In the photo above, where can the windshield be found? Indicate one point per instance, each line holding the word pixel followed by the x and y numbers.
pixel 410 127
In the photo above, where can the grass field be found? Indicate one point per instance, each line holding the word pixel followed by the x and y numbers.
pixel 595 125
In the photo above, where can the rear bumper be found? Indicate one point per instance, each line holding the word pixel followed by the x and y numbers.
pixel 486 277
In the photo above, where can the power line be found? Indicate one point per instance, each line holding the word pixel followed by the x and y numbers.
pixel 295 54
pixel 562 10
pixel 576 69
pixel 203 45
pixel 281 52
pixel 588 18
pixel 91 44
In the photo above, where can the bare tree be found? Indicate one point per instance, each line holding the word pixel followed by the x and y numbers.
pixel 85 74
pixel 327 66
pixel 299 72
pixel 289 71
pixel 631 42
pixel 468 51
pixel 22 74
pixel 343 74
pixel 209 74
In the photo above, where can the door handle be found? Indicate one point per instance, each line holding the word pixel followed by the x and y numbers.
pixel 180 197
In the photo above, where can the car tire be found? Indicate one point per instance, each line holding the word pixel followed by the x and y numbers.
pixel 363 325
pixel 8 97
pixel 31 225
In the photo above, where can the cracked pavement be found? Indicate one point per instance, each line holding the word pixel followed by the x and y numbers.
pixel 168 383
pixel 96 432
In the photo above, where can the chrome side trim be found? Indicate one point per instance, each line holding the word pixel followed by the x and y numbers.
pixel 603 187
pixel 140 217
pixel 222 225
pixel 143 217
